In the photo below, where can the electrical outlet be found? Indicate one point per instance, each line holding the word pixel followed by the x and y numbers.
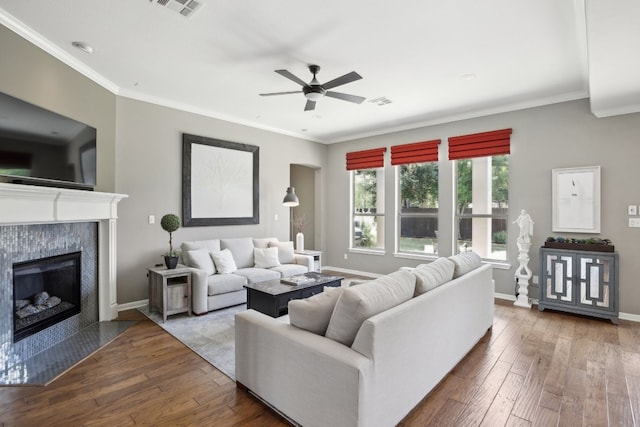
pixel 634 222
pixel 632 210
pixel 152 219
pixel 346 256
pixel 535 279
pixel 275 217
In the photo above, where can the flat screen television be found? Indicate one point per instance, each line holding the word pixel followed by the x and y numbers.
pixel 40 147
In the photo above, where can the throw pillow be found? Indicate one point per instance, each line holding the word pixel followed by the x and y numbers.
pixel 199 258
pixel 313 314
pixel 432 275
pixel 465 262
pixel 285 252
pixel 358 303
pixel 225 264
pixel 265 257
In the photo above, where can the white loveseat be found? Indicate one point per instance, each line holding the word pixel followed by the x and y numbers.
pixel 395 359
pixel 221 267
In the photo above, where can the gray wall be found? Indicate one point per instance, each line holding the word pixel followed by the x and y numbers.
pixel 554 136
pixel 149 170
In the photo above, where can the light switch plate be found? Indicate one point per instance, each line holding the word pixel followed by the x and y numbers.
pixel 632 210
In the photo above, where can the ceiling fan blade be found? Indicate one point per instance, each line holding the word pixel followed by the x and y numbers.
pixel 287 74
pixel 346 97
pixel 342 80
pixel 280 93
pixel 310 105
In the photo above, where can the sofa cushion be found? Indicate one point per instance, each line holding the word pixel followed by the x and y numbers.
pixel 465 262
pixel 200 258
pixel 358 303
pixel 242 250
pixel 211 245
pixel 264 242
pixel 254 275
pixel 218 284
pixel 286 254
pixel 287 270
pixel 313 314
pixel 265 257
pixel 432 275
pixel 224 262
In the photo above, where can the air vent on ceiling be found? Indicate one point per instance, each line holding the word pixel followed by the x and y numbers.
pixel 383 100
pixel 185 8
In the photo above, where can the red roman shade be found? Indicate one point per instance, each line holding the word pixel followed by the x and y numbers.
pixel 483 144
pixel 366 159
pixel 416 152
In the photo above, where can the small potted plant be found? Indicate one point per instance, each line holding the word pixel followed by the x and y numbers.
pixel 170 223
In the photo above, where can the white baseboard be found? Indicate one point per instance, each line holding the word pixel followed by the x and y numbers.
pixel 354 272
pixel 142 303
pixel 132 305
pixel 504 296
pixel 629 316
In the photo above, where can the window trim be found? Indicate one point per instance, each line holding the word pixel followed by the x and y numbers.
pixel 498 263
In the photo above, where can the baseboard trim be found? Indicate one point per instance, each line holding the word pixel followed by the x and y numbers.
pixel 132 305
pixel 630 317
pixel 141 303
pixel 504 296
pixel 354 272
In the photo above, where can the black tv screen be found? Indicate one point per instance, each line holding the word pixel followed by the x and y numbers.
pixel 38 146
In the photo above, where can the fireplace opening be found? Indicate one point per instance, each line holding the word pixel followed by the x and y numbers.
pixel 46 291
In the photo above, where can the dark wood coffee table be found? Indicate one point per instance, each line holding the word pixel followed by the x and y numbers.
pixel 272 297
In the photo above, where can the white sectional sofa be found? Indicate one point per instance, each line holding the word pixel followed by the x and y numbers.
pixel 367 369
pixel 221 267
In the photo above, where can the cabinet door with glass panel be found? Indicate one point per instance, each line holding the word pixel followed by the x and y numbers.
pixel 580 282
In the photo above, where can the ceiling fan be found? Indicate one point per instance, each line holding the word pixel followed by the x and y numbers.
pixel 313 90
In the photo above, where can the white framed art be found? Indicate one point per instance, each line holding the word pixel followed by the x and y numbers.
pixel 576 199
pixel 220 182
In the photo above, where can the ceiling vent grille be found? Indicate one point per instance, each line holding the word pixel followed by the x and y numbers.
pixel 383 100
pixel 185 8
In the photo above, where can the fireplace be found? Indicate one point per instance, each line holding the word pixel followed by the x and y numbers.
pixel 46 291
pixel 45 222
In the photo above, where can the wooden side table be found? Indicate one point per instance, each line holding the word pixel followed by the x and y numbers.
pixel 317 259
pixel 170 290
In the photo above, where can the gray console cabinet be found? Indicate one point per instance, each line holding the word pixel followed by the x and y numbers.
pixel 581 282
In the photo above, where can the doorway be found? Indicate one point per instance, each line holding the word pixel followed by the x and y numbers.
pixel 303 178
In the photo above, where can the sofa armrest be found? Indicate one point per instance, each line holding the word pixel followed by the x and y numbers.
pixel 298 372
pixel 306 260
pixel 199 285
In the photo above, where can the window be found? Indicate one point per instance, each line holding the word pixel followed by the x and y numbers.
pixel 368 209
pixel 482 205
pixel 418 210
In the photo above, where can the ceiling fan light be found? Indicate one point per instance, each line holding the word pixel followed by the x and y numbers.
pixel 313 96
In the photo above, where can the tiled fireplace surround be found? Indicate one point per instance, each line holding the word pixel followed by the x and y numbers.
pixel 37 222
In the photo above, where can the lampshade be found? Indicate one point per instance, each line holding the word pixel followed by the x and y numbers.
pixel 290 199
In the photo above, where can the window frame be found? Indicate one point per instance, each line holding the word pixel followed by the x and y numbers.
pixel 400 215
pixel 457 217
pixel 380 171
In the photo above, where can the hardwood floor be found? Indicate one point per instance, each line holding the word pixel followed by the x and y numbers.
pixel 531 369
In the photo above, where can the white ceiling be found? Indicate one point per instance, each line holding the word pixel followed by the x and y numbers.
pixel 434 60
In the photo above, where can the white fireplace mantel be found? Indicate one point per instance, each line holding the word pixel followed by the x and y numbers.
pixel 27 204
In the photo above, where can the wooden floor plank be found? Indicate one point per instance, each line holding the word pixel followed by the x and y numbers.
pixel 531 369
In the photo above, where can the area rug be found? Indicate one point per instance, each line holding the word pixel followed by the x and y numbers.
pixel 211 335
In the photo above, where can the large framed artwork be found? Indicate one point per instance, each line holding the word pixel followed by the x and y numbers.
pixel 576 199
pixel 220 182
